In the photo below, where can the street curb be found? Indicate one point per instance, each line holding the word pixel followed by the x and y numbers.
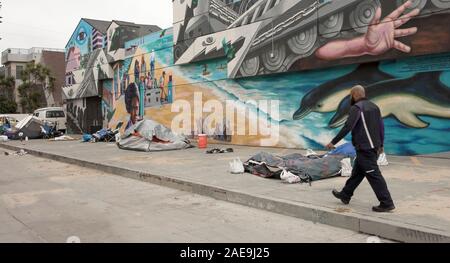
pixel 352 221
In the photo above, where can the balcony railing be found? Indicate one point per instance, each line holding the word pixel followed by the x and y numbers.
pixel 23 55
pixel 34 50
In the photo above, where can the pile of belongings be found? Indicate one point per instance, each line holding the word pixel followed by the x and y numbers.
pixel 63 138
pixel 5 123
pixel 4 127
pixel 103 135
pixel 150 136
pixel 48 130
pixel 294 168
pixel 31 128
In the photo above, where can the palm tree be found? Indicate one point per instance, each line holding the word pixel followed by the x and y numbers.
pixel 37 87
pixel 7 101
pixel 7 85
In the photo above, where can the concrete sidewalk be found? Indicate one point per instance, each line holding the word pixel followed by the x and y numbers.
pixel 420 186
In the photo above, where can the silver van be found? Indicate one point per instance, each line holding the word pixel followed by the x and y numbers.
pixel 55 115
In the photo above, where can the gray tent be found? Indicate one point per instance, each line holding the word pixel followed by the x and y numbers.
pixel 150 136
pixel 30 127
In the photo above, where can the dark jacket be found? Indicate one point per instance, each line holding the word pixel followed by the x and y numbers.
pixel 366 124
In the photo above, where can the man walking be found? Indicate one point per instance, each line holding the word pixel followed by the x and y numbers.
pixel 366 124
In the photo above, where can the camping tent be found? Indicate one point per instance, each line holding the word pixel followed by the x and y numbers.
pixel 30 127
pixel 150 136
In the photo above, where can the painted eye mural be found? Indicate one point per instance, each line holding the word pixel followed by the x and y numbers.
pixel 81 36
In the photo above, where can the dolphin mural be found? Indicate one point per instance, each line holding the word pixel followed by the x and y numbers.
pixel 405 99
pixel 326 97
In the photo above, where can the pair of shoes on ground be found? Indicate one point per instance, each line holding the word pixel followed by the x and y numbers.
pixel 214 151
pixel 379 209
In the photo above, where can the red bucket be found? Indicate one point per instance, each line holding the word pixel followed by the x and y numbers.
pixel 202 141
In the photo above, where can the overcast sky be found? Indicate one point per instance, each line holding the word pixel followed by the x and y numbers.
pixel 50 23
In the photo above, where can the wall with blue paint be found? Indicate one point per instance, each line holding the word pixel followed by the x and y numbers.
pixel 305 121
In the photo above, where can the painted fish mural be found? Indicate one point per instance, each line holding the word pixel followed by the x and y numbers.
pixel 405 99
pixel 326 97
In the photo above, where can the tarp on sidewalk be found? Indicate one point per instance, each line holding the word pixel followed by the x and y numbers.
pixel 271 166
pixel 150 136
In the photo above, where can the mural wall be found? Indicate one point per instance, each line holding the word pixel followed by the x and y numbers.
pixel 86 62
pixel 84 115
pixel 86 67
pixel 413 94
pixel 260 37
pixel 95 68
pixel 144 80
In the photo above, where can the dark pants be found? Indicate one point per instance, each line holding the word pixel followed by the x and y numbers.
pixel 366 167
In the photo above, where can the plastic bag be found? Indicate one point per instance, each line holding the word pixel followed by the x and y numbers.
pixel 87 137
pixel 382 160
pixel 289 177
pixel 118 137
pixel 347 168
pixel 310 152
pixel 236 166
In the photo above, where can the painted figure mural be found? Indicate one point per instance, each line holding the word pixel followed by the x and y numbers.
pixel 94 68
pixel 412 92
pixel 146 82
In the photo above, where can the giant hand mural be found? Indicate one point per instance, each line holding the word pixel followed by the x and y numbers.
pixel 261 37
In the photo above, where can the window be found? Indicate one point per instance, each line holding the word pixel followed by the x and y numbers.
pixel 55 114
pixel 19 70
pixel 36 114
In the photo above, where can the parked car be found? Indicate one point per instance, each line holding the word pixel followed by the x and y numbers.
pixel 55 115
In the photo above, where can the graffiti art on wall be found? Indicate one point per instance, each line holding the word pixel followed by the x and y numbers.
pixel 415 103
pixel 413 94
pixel 77 48
pixel 270 36
pixel 86 62
pixel 83 115
pixel 120 32
pixel 85 80
pixel 143 80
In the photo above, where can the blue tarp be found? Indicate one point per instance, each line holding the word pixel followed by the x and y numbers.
pixel 345 150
